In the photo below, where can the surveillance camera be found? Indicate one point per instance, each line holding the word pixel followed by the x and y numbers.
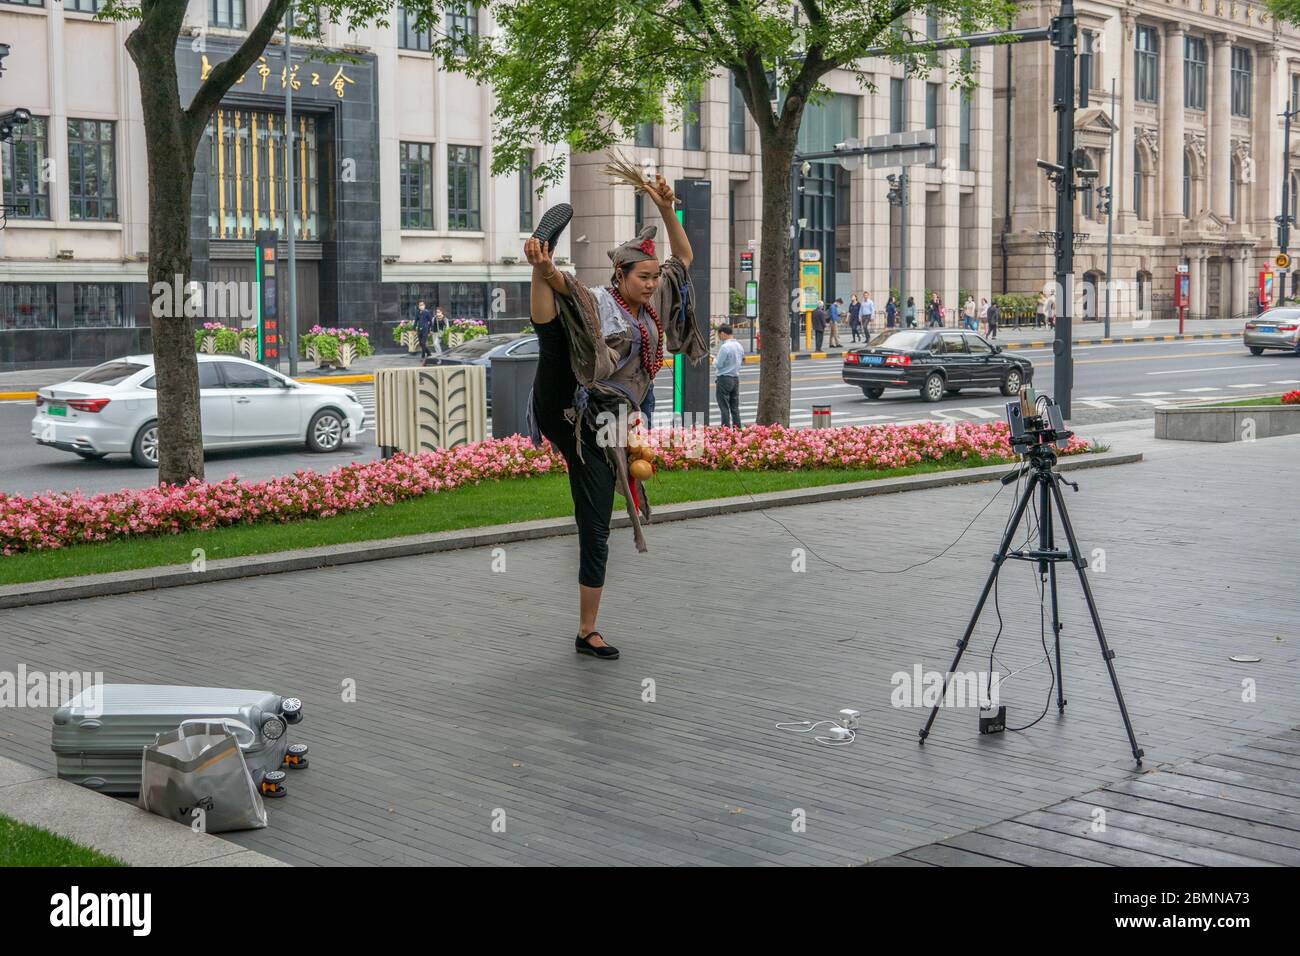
pixel 805 167
pixel 839 146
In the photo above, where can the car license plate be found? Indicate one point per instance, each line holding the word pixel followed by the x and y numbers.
pixel 871 360
pixel 1268 328
pixel 61 410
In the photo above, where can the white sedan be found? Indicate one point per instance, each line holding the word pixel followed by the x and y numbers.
pixel 113 409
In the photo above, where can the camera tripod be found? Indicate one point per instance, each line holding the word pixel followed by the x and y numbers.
pixel 1040 458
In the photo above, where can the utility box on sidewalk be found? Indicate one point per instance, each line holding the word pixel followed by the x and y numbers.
pixel 512 383
pixel 422 409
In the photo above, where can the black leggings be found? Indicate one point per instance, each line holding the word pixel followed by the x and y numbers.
pixel 591 481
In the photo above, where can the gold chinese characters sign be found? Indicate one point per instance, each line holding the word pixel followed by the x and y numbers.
pixel 339 83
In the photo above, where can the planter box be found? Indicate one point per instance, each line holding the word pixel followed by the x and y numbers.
pixel 1225 424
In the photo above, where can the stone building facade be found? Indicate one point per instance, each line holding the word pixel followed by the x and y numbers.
pixel 1198 152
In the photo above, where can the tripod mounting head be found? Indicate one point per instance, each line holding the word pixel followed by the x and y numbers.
pixel 1037 427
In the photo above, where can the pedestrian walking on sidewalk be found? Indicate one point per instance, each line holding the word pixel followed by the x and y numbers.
pixel 1040 311
pixel 423 327
pixel 891 312
pixel 726 370
pixel 936 311
pixel 868 314
pixel 909 314
pixel 819 324
pixel 982 318
pixel 855 316
pixel 1051 310
pixel 994 315
pixel 968 314
pixel 834 320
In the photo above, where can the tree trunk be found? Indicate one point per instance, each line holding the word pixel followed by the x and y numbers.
pixel 774 288
pixel 170 147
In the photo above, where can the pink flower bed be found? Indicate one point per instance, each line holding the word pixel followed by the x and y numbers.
pixel 59 520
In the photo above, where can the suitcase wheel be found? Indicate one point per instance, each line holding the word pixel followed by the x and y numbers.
pixel 291 709
pixel 273 784
pixel 296 756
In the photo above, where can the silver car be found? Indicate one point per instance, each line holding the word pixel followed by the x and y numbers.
pixel 113 409
pixel 1273 329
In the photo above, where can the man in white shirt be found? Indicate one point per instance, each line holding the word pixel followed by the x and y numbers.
pixel 868 312
pixel 726 368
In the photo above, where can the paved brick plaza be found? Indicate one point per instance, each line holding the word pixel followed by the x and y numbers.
pixel 470 698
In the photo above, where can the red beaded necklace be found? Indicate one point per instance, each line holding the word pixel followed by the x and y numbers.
pixel 651 365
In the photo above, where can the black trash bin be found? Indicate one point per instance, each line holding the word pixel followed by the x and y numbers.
pixel 512 382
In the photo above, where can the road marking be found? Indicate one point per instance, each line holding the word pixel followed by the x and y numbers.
pixel 1206 388
pixel 979 413
pixel 1250 385
pixel 1217 368
pixel 1288 381
pixel 1151 394
pixel 1156 402
pixel 1094 403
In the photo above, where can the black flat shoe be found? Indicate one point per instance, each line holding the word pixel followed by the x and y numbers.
pixel 552 225
pixel 605 653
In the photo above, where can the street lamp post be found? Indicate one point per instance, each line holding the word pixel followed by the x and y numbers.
pixel 1110 218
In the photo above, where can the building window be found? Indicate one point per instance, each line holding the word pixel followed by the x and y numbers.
pixel 26 193
pixel 226 13
pixel 26 305
pixel 1087 45
pixel 897 106
pixel 462 26
pixel 736 119
pixel 638 212
pixel 1088 196
pixel 1194 59
pixel 83 6
pixel 1187 186
pixel 408 37
pixel 645 135
pixel 247 181
pixel 415 184
pixel 97 305
pixel 1295 90
pixel 932 116
pixel 92 170
pixel 463 188
pixel 1137 182
pixel 526 194
pixel 1241 70
pixel 25 3
pixel 1148 63
pixel 963 122
pixel 691 122
pixel 932 32
pixel 466 300
pixel 1232 192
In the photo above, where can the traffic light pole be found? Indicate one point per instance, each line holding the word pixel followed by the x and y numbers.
pixel 1285 221
pixel 1062 37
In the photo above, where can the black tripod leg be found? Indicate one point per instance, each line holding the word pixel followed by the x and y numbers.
pixel 1107 654
pixel 998 558
pixel 1047 542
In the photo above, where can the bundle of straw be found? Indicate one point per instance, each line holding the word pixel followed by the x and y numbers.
pixel 622 171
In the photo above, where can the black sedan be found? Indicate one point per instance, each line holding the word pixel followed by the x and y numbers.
pixel 935 362
pixel 480 351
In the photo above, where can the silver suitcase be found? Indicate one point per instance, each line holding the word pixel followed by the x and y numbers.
pixel 99 736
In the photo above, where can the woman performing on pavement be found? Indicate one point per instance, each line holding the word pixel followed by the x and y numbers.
pixel 600 349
